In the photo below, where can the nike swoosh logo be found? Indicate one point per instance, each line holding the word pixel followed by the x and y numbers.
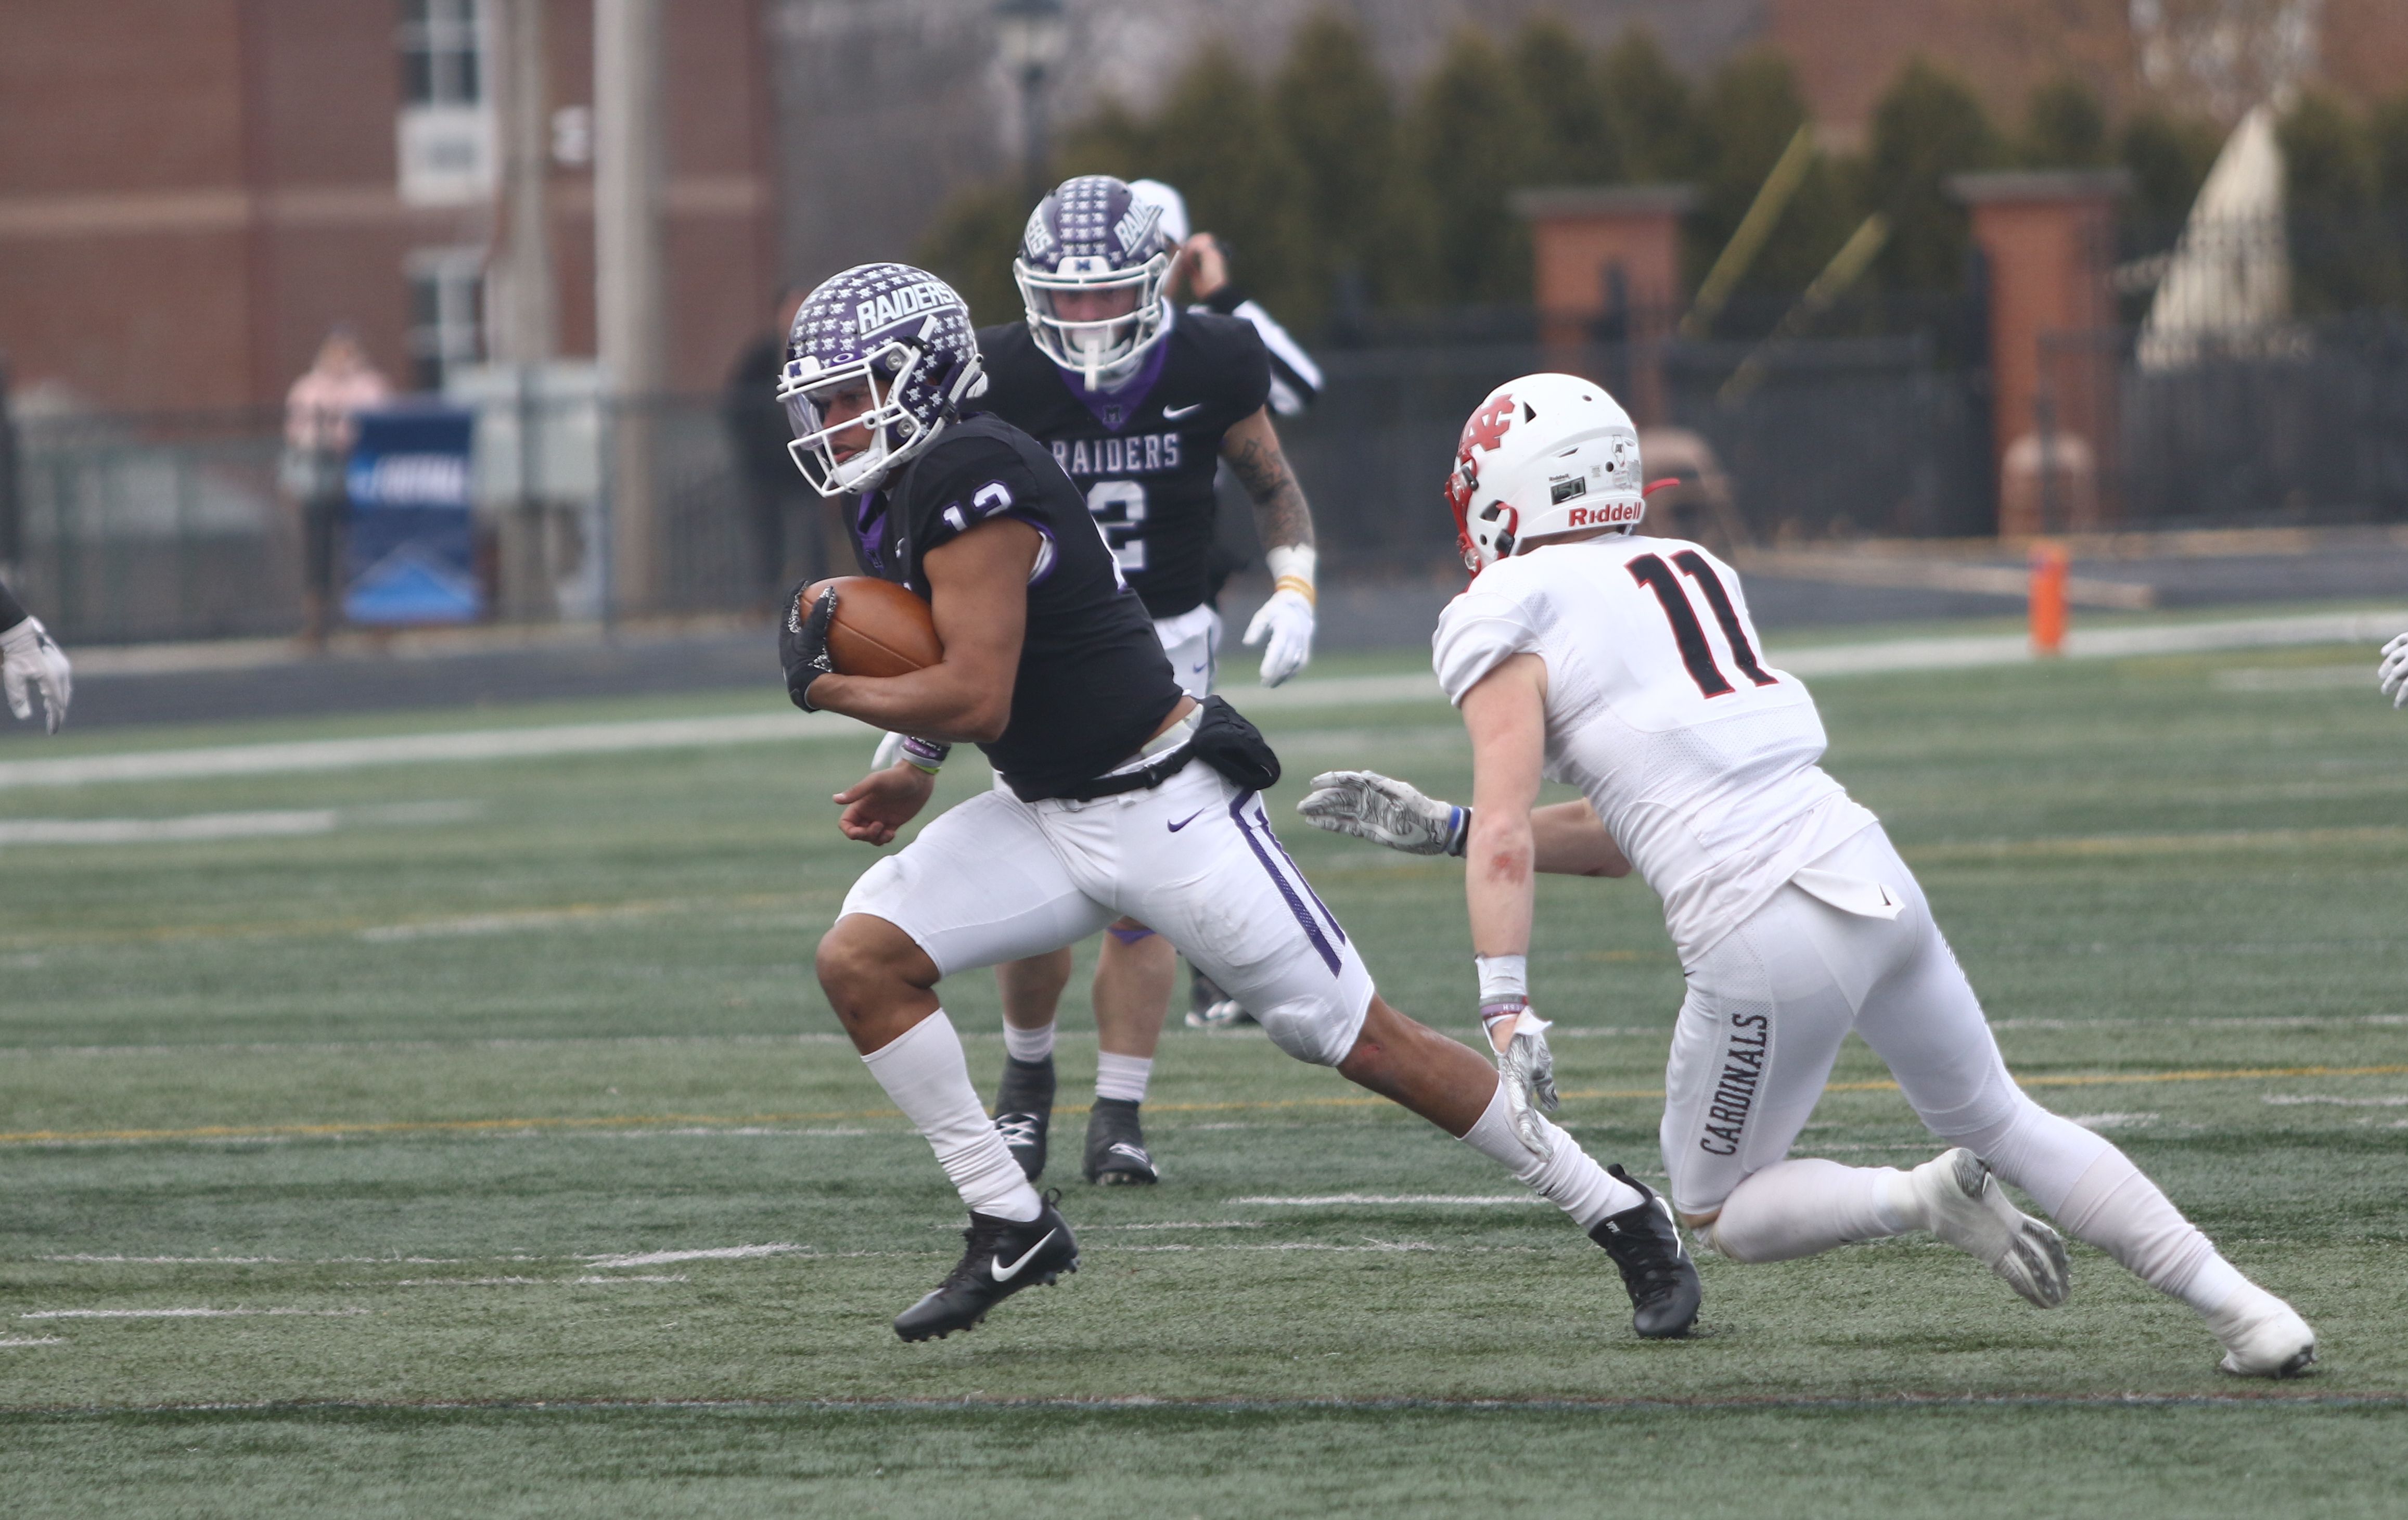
pixel 1005 1274
pixel 1172 414
pixel 1189 819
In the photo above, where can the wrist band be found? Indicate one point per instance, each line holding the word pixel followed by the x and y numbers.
pixel 1502 977
pixel 926 754
pixel 1292 567
pixel 1459 831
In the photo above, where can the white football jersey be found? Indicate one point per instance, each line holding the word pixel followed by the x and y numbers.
pixel 1699 757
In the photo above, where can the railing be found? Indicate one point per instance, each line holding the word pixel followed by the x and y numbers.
pixel 170 527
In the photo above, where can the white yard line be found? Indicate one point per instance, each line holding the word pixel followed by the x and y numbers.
pixel 284 824
pixel 185 1313
pixel 2388 1100
pixel 336 754
pixel 33 1340
pixel 724 1253
pixel 1442 1199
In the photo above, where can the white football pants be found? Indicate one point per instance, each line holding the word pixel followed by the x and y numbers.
pixel 1766 1011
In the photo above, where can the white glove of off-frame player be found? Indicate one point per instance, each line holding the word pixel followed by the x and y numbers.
pixel 1386 810
pixel 1287 619
pixel 27 655
pixel 2392 674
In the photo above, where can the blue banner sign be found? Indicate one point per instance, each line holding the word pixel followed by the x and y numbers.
pixel 410 553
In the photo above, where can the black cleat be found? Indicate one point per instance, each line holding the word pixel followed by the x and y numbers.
pixel 1024 1106
pixel 1116 1155
pixel 1005 1255
pixel 1645 1242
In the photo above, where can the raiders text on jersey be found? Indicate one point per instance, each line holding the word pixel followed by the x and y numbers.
pixel 1143 456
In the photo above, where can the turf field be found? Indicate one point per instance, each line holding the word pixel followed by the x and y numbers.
pixel 438 1140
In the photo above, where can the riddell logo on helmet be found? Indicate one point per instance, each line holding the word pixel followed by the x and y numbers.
pixel 1612 515
pixel 893 308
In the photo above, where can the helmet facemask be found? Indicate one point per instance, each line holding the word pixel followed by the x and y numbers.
pixel 806 389
pixel 1106 350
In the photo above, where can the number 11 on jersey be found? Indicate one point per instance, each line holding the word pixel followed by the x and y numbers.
pixel 1652 572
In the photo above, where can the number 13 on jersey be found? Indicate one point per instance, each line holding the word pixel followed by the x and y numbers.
pixel 1119 509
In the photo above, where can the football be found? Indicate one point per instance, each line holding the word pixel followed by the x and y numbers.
pixel 880 628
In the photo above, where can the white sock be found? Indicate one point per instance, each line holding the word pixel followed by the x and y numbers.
pixel 1123 1077
pixel 2120 1211
pixel 1567 1179
pixel 1798 1208
pixel 1030 1045
pixel 924 1072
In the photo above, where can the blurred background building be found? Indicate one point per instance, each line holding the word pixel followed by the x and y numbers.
pixel 1845 198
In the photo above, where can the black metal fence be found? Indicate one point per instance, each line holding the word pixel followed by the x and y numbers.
pixel 155 528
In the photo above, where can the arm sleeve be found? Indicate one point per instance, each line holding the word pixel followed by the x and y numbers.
pixel 1478 631
pixel 12 611
pixel 1294 379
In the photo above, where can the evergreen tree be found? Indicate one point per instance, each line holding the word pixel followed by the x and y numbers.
pixel 1752 112
pixel 1110 140
pixel 1473 138
pixel 971 244
pixel 1217 141
pixel 1333 105
pixel 2388 126
pixel 1927 127
pixel 2341 259
pixel 1578 144
pixel 2064 127
pixel 2168 156
pixel 1648 101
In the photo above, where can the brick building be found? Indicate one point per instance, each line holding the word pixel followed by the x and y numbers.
pixel 191 192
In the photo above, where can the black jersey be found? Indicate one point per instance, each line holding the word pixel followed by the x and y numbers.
pixel 1094 684
pixel 1143 455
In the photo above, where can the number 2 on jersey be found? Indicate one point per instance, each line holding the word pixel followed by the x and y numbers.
pixel 1687 632
pixel 1128 500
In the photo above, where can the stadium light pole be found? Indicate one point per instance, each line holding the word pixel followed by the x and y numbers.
pixel 1034 33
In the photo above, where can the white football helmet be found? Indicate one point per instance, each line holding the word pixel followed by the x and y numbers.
pixel 1541 455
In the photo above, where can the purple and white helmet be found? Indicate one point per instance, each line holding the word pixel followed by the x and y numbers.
pixel 896 344
pixel 1092 267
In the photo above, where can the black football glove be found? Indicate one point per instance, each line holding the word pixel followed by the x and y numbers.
pixel 803 644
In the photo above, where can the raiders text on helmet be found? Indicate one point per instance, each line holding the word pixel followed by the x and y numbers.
pixel 899 339
pixel 1091 271
pixel 1543 455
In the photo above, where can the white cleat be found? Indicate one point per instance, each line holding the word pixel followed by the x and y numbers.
pixel 2263 1337
pixel 1964 1206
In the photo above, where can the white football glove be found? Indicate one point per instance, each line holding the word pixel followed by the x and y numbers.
pixel 27 655
pixel 1526 1069
pixel 2392 674
pixel 1287 621
pixel 1386 810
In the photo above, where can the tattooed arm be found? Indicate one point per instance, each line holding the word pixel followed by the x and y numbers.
pixel 1281 516
pixel 1287 621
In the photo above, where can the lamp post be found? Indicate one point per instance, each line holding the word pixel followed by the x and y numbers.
pixel 1033 33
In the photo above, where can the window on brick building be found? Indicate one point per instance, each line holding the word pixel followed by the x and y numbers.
pixel 442 52
pixel 447 313
pixel 444 137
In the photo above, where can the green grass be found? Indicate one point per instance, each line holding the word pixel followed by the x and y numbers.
pixel 411 1097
